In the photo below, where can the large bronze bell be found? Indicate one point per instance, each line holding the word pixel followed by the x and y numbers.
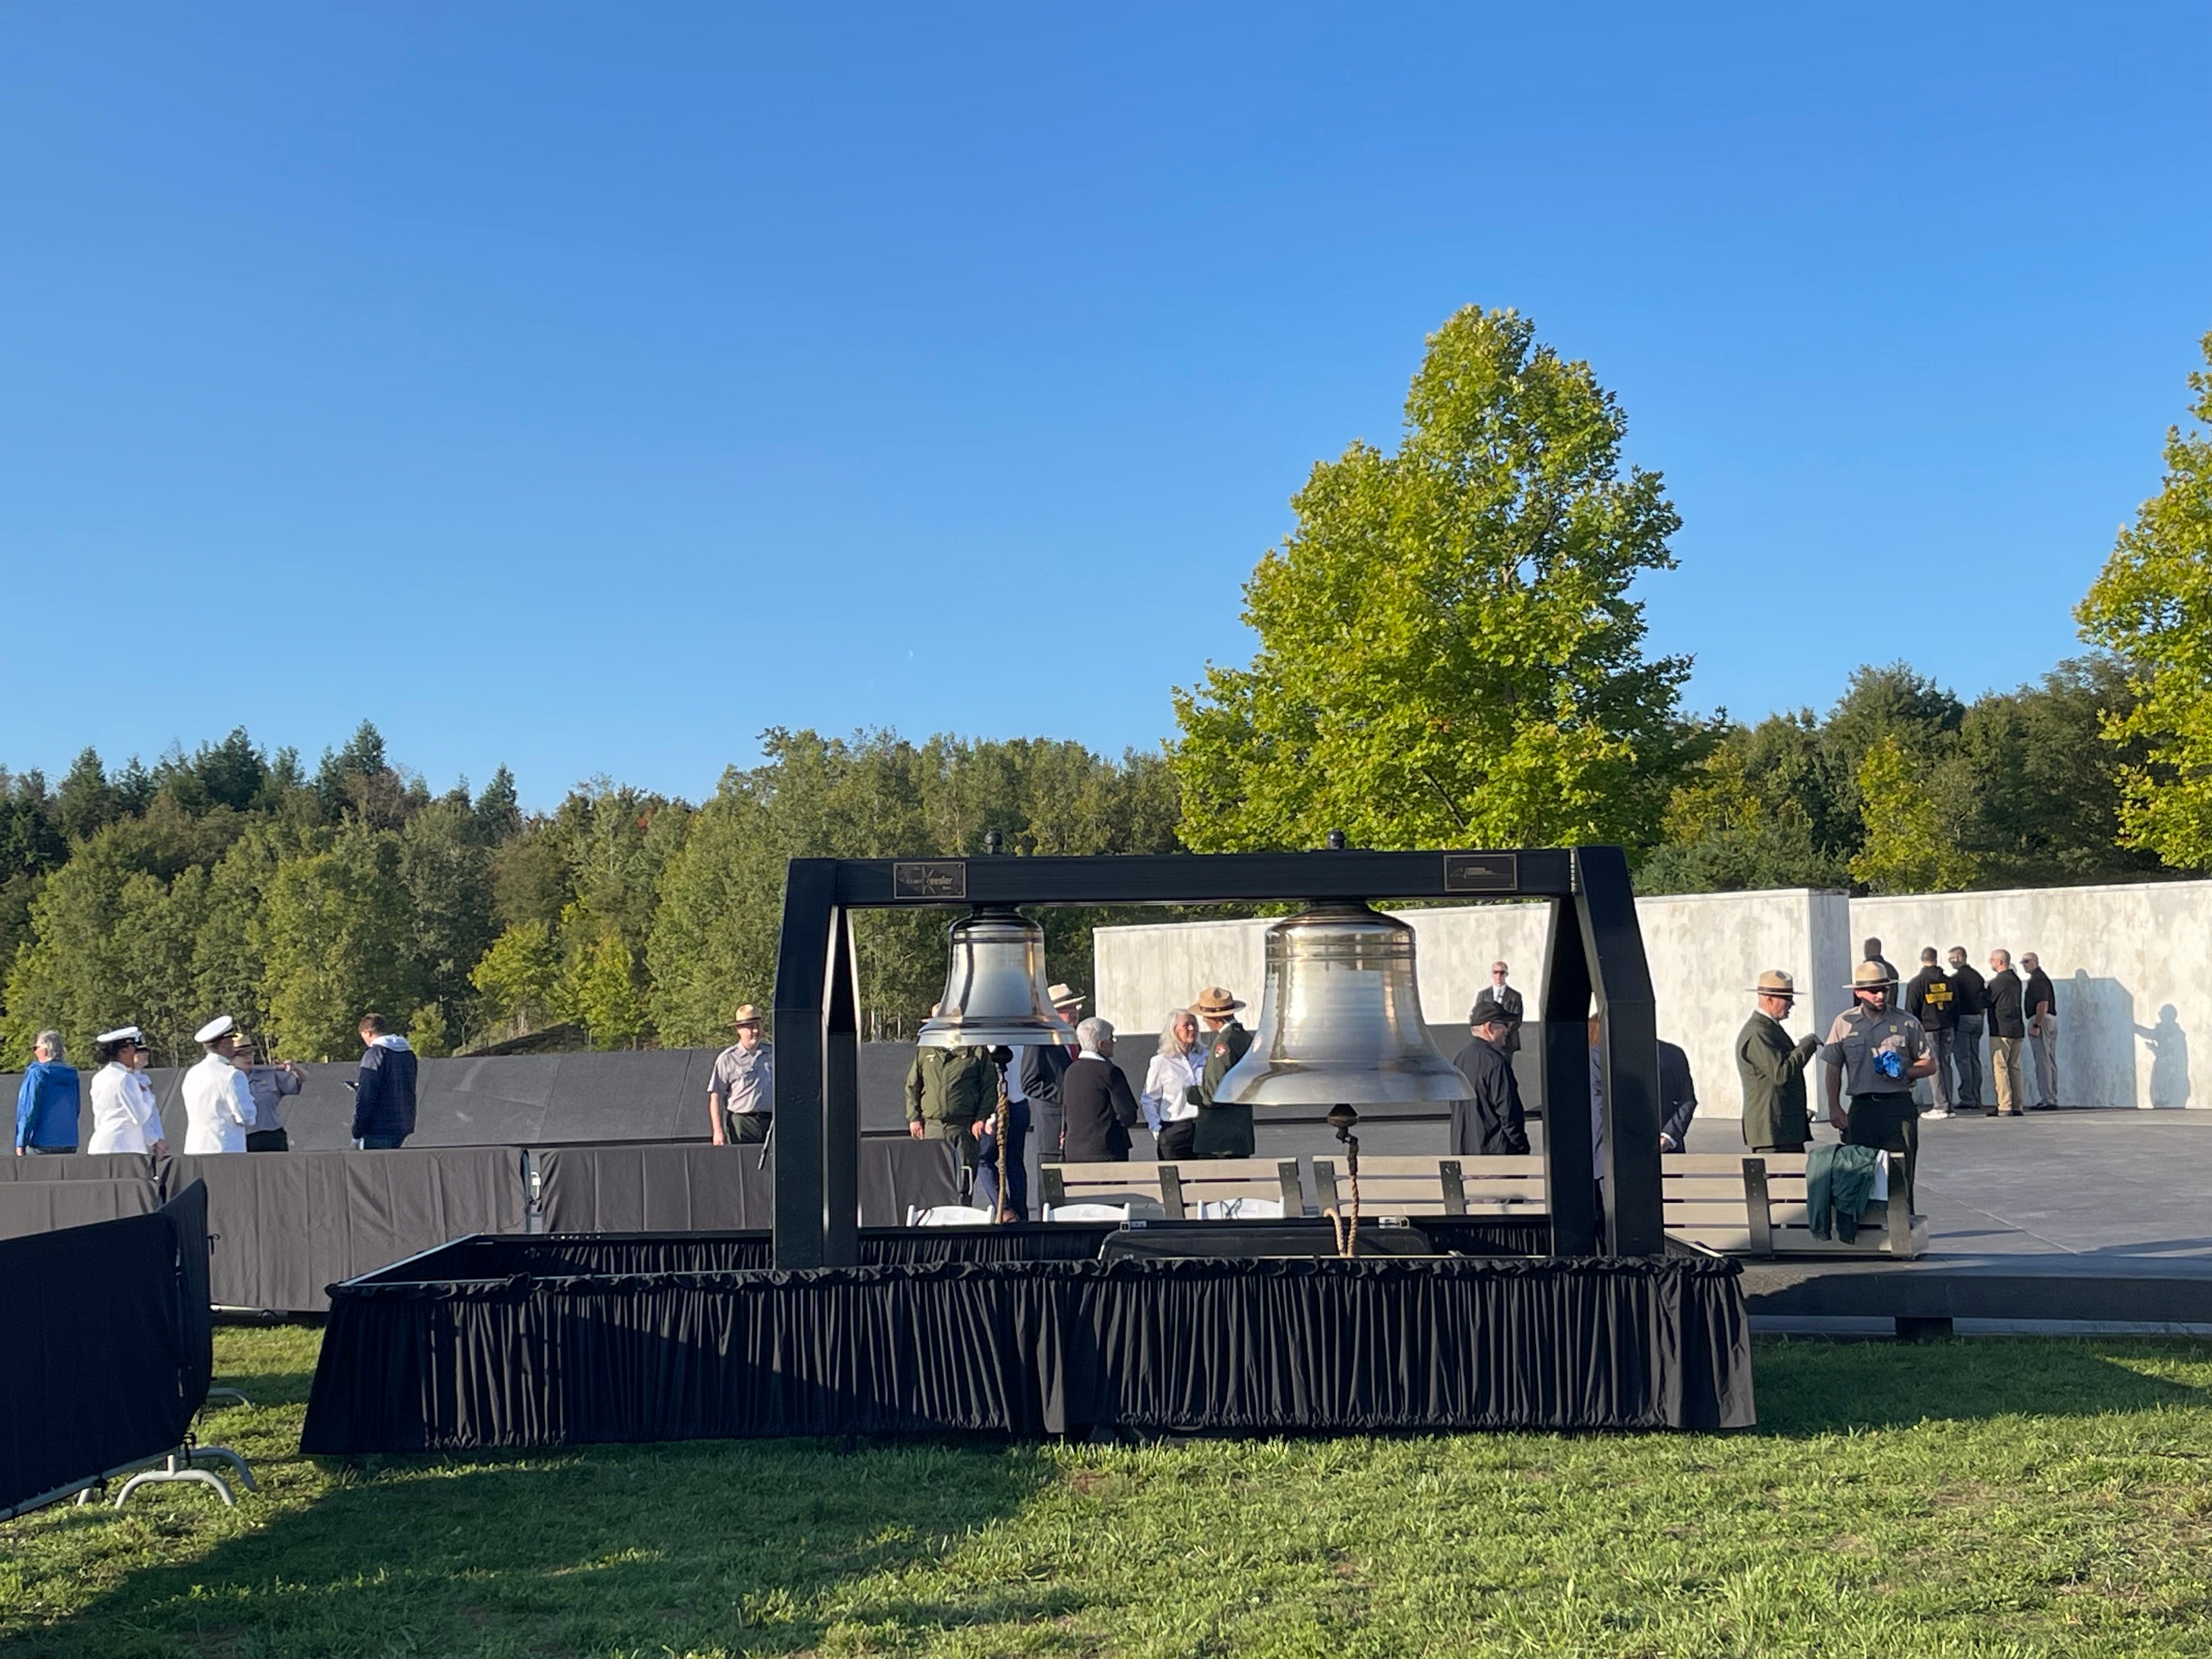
pixel 994 989
pixel 1340 1019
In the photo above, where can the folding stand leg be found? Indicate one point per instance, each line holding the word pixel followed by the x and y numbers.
pixel 227 1455
pixel 148 1477
pixel 231 1394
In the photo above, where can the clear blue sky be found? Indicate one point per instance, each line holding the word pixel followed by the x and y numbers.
pixel 590 388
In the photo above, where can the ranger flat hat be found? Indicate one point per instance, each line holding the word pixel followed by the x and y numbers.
pixel 746 1015
pixel 1215 999
pixel 122 1034
pixel 221 1026
pixel 1871 976
pixel 1064 996
pixel 1776 983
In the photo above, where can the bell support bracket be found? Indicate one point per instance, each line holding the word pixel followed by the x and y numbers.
pixel 1596 956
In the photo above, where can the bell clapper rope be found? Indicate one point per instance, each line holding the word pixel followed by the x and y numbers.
pixel 1000 1210
pixel 1347 1236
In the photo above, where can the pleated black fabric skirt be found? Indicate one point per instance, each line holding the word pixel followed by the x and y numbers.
pixel 1029 1348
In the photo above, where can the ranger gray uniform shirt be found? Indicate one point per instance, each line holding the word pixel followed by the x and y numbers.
pixel 743 1079
pixel 1857 1037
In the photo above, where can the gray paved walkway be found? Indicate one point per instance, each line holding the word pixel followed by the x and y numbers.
pixel 2098 1193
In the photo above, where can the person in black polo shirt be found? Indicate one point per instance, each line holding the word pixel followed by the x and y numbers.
pixel 1927 999
pixel 1969 1004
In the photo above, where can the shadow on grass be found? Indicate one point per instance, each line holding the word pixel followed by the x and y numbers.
pixel 1814 1387
pixel 700 1545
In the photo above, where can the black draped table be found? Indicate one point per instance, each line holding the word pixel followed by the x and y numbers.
pixel 538 1342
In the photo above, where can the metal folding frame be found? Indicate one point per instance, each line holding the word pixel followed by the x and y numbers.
pixel 1595 964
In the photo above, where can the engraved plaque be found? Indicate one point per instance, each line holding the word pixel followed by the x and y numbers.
pixel 1481 872
pixel 945 879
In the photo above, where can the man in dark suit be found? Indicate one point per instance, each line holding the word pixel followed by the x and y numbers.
pixel 1509 1004
pixel 1490 1123
pixel 1970 1007
pixel 1095 1096
pixel 1044 1064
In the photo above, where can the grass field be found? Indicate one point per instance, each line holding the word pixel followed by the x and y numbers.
pixel 1984 1496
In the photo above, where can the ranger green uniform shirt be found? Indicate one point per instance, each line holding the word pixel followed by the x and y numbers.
pixel 949 1085
pixel 1222 1131
pixel 1857 1037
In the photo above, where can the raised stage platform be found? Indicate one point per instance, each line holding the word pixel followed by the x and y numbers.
pixel 556 1342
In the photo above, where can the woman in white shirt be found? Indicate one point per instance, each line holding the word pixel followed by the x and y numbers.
pixel 125 1118
pixel 1179 1062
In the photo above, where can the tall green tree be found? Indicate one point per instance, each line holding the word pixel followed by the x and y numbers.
pixel 1909 849
pixel 338 938
pixel 2151 608
pixel 1448 653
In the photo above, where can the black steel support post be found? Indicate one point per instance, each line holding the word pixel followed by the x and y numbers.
pixel 1613 945
pixel 1570 1182
pixel 841 1102
pixel 802 961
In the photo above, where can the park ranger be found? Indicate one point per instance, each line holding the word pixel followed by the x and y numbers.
pixel 741 1096
pixel 947 1091
pixel 1873 1053
pixel 1223 1131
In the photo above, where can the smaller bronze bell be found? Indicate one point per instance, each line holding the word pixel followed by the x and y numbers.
pixel 995 986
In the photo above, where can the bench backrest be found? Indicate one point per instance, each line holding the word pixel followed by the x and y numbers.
pixel 1755 1204
pixel 1173 1191
pixel 1436 1186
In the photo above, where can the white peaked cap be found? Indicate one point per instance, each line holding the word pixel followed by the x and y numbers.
pixel 121 1034
pixel 220 1025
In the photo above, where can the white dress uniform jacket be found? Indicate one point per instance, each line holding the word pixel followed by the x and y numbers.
pixel 124 1116
pixel 218 1106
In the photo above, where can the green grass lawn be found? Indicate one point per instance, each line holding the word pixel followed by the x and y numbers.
pixel 1981 1497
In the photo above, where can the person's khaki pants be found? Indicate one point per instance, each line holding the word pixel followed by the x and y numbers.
pixel 2004 1069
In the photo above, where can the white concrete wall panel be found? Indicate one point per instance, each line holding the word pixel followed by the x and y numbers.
pixel 2131 965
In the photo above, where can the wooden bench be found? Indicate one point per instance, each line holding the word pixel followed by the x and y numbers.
pixel 1436 1186
pixel 1755 1204
pixel 1175 1191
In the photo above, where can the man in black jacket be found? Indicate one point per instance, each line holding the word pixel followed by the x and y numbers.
pixel 1970 1005
pixel 2008 1029
pixel 1927 999
pixel 1489 1124
pixel 1095 1096
pixel 1678 1097
pixel 1044 1064
pixel 384 1095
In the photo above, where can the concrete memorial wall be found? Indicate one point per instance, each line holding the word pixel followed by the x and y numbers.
pixel 2132 967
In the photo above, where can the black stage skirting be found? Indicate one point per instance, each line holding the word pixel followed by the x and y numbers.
pixel 1248 1347
pixel 109 1346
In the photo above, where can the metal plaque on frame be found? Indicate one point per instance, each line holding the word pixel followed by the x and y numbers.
pixel 1482 872
pixel 945 879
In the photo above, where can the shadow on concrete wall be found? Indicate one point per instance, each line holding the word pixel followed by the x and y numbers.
pixel 2169 1059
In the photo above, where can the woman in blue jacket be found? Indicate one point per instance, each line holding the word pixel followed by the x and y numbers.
pixel 46 1105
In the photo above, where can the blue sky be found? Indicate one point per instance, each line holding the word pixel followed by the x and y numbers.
pixel 591 388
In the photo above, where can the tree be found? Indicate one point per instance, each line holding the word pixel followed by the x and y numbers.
pixel 1449 654
pixel 1727 832
pixel 517 982
pixel 338 934
pixel 602 993
pixel 1908 848
pixel 447 874
pixel 2151 608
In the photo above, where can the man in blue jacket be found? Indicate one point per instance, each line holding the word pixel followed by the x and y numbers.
pixel 384 1097
pixel 46 1105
